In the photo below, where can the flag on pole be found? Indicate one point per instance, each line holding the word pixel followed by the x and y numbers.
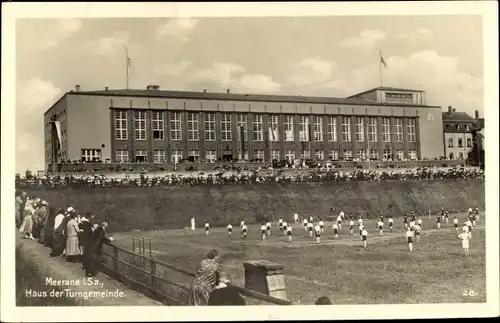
pixel 382 60
pixel 129 61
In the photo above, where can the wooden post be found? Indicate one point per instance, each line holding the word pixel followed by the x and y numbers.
pixel 153 273
pixel 115 258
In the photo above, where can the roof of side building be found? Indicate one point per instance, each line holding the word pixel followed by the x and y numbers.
pixel 457 116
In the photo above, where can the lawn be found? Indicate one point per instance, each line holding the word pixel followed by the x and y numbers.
pixel 383 273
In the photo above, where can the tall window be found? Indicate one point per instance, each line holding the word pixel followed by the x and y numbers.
pixel 91 155
pixel 319 154
pixel 412 137
pixel 158 125
pixel 194 154
pixel 360 130
pixel 257 127
pixel 386 153
pixel 273 127
pixel 210 126
pixel 175 126
pixel 288 128
pixel 450 142
pixel 318 129
pixel 347 154
pixel 225 126
pixel 460 142
pixel 460 155
pixel 469 142
pixel 332 128
pixel 275 154
pixel 241 121
pixel 346 129
pixel 372 129
pixel 361 154
pixel 176 156
pixel 141 156
pixel 140 125
pixel 121 125
pixel 333 154
pixel 121 156
pixel 304 128
pixel 398 123
pixel 305 154
pixel 400 154
pixel 386 130
pixel 210 156
pixel 373 154
pixel 158 156
pixel 245 155
pixel 258 155
pixel 290 154
pixel 192 124
pixel 412 154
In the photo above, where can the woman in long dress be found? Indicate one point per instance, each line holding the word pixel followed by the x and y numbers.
pixel 73 251
pixel 205 280
pixel 27 225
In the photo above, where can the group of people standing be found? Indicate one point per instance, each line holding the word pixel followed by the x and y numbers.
pixel 65 232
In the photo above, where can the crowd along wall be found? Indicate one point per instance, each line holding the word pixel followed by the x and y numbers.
pixel 169 207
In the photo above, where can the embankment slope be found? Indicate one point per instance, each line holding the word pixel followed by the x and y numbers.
pixel 173 206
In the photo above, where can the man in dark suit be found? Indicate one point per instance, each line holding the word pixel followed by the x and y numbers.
pixel 100 239
pixel 88 242
pixel 224 294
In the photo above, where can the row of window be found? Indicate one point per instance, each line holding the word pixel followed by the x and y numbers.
pixel 193 127
pixel 460 142
pixel 141 155
pixel 458 127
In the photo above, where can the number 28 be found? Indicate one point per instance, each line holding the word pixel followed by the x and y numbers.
pixel 468 293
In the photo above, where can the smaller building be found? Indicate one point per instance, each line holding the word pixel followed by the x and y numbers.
pixel 457 133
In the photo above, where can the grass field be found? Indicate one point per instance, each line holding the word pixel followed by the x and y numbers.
pixel 385 272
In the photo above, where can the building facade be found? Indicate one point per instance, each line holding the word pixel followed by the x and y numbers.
pixel 457 134
pixel 168 126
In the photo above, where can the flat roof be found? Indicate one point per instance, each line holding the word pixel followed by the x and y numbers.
pixel 238 97
pixel 385 88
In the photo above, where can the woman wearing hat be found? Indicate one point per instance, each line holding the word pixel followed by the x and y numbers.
pixel 27 225
pixel 205 280
pixel 73 251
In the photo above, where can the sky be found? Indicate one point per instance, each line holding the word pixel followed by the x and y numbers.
pixel 333 56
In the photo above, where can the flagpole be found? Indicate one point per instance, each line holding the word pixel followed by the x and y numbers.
pixel 126 63
pixel 380 66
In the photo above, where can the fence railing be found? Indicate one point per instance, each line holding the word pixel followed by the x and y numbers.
pixel 161 281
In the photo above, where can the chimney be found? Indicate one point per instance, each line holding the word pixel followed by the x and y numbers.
pixel 77 88
pixel 106 88
pixel 476 114
pixel 454 110
pixel 204 90
pixel 449 109
pixel 228 91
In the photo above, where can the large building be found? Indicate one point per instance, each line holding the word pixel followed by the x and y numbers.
pixel 153 125
pixel 457 133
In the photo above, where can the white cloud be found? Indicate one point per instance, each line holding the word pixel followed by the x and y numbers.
pixel 172 68
pixel 312 71
pixel 33 98
pixel 177 28
pixel 111 45
pixel 54 31
pixel 220 73
pixel 366 40
pixel 420 35
pixel 258 83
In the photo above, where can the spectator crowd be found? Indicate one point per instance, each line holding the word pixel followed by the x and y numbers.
pixel 78 238
pixel 253 177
